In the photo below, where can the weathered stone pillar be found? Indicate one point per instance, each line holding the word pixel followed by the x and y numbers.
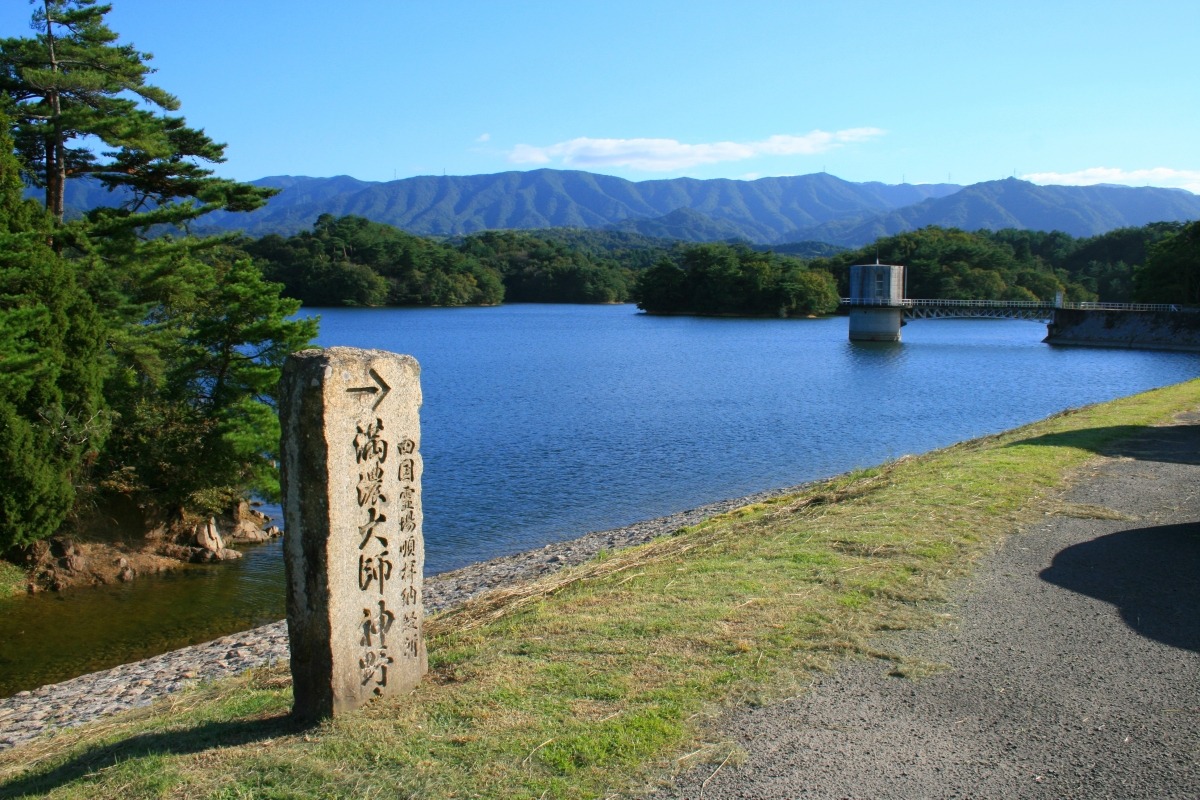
pixel 353 549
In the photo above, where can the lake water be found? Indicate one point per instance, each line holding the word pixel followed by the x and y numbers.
pixel 544 422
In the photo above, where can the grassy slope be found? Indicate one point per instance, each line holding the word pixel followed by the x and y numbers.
pixel 596 680
pixel 12 579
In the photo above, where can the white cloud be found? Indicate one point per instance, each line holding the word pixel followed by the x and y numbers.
pixel 1157 176
pixel 665 155
pixel 483 137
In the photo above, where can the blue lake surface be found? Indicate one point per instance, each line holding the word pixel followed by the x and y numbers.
pixel 544 422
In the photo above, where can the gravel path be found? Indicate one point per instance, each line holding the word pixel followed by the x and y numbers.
pixel 1073 667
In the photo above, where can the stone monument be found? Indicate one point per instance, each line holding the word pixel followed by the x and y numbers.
pixel 353 550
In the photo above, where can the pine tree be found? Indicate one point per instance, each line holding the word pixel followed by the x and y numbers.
pixel 73 84
pixel 186 343
pixel 196 385
pixel 52 416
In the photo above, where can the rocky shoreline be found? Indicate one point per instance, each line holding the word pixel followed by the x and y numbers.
pixel 1142 330
pixel 63 562
pixel 28 714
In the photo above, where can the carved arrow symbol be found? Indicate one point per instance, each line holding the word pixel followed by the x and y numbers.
pixel 380 389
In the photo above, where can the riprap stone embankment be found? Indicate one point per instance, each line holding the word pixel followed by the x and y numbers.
pixel 1145 330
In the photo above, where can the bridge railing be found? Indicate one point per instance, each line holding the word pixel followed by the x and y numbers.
pixel 1039 304
pixel 1088 306
pixel 979 303
pixel 873 301
pixel 911 303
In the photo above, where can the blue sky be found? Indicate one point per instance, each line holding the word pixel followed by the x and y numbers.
pixel 918 92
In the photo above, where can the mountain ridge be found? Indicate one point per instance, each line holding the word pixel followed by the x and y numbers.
pixel 766 210
pixel 816 207
pixel 1080 211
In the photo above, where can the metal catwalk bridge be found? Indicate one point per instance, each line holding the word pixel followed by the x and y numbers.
pixel 1034 310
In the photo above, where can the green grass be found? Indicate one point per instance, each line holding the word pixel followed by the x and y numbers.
pixel 599 680
pixel 12 579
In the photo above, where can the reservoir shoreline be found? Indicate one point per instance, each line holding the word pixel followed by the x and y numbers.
pixel 891 526
pixel 85 698
pixel 620 417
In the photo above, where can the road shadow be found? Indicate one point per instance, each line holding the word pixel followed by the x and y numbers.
pixel 1176 444
pixel 173 742
pixel 1149 574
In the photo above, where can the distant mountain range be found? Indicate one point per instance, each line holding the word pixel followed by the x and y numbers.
pixel 817 207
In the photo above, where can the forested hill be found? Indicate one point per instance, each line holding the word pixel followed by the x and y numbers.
pixel 771 211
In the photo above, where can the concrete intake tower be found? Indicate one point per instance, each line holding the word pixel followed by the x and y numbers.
pixel 876 302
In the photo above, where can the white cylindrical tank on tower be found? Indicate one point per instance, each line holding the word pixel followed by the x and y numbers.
pixel 876 302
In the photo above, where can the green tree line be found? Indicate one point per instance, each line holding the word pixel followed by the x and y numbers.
pixel 733 279
pixel 546 269
pixel 1149 264
pixel 1156 263
pixel 131 365
pixel 351 261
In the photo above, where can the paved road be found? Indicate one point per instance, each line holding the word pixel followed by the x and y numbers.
pixel 1074 667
